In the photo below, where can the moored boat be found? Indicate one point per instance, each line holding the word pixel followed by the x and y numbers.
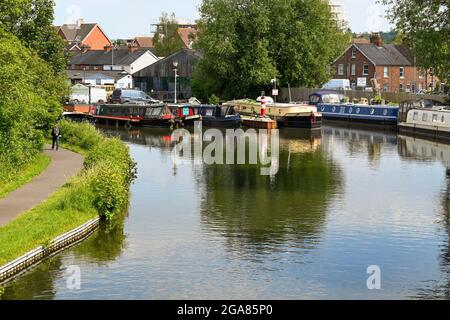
pixel 425 118
pixel 219 116
pixel 286 115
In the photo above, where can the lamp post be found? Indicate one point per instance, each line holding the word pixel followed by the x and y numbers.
pixel 275 90
pixel 175 69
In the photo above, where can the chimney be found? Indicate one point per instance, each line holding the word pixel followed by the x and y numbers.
pixel 79 23
pixel 376 39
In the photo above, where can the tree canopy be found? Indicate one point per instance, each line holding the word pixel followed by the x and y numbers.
pixel 246 43
pixel 166 39
pixel 425 26
pixel 32 22
pixel 30 101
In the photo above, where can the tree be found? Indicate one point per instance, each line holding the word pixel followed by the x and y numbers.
pixel 425 26
pixel 30 102
pixel 166 39
pixel 32 22
pixel 246 43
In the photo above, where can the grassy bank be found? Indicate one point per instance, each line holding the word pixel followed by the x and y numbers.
pixel 24 175
pixel 100 189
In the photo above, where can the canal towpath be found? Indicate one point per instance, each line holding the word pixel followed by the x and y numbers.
pixel 64 165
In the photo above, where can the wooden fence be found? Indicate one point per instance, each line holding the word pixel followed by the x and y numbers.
pixel 302 94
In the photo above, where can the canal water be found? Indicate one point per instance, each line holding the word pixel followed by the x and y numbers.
pixel 343 199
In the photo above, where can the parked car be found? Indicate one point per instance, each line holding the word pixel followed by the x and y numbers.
pixel 131 96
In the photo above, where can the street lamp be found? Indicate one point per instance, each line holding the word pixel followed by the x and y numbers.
pixel 175 69
pixel 274 91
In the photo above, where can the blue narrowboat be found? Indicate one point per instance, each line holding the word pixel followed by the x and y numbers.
pixel 330 105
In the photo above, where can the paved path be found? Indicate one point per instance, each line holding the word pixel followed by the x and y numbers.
pixel 65 164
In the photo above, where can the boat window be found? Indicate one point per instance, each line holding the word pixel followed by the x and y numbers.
pixel 350 110
pixel 372 111
pixel 358 110
pixel 416 116
pixel 314 99
pixel 323 108
pixel 442 119
pixel 334 109
pixel 156 111
pixel 385 112
pixel 435 118
pixel 425 117
pixel 342 110
pixel 148 112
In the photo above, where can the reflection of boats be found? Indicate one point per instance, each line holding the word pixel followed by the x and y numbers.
pixel 135 114
pixel 423 150
pixel 286 115
pixel 329 104
pixel 425 118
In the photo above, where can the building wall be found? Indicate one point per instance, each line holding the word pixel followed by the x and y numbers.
pixel 97 40
pixel 144 61
pixel 412 75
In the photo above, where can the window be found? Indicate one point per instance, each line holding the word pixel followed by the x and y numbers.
pixel 435 118
pixel 365 69
pixel 342 110
pixel 386 88
pixel 442 119
pixel 353 53
pixel 402 72
pixel 425 117
pixel 408 88
pixel 340 69
pixel 413 88
pixel 421 73
pixel 353 71
pixel 386 72
pixel 416 116
pixel 401 87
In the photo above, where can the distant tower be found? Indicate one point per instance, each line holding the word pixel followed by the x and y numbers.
pixel 338 10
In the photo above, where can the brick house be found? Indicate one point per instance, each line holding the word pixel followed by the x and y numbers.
pixel 84 36
pixel 392 65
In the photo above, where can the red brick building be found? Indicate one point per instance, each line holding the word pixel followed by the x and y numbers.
pixel 392 65
pixel 84 36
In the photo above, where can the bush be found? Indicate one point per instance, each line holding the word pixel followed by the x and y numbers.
pixel 108 167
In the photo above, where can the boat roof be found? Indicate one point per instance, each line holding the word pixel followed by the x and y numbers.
pixel 322 92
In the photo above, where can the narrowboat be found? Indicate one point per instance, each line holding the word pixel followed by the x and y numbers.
pixel 219 116
pixel 158 115
pixel 330 104
pixel 185 114
pixel 425 118
pixel 286 115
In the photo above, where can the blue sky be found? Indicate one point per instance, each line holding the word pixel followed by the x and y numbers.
pixel 126 19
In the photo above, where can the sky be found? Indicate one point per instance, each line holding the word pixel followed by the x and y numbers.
pixel 130 18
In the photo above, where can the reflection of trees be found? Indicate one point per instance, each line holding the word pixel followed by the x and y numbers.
pixel 37 284
pixel 250 209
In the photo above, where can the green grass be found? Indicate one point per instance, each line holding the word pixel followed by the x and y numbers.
pixel 65 210
pixel 25 175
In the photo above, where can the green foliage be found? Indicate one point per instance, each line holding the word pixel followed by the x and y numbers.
pixel 425 26
pixel 32 22
pixel 246 43
pixel 213 99
pixel 108 166
pixel 166 39
pixel 30 96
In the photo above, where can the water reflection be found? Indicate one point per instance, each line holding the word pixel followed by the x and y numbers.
pixel 258 214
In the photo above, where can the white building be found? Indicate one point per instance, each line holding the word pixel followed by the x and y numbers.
pixel 338 10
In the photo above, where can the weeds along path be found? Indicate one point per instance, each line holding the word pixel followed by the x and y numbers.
pixel 65 164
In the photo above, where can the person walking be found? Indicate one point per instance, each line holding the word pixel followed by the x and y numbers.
pixel 55 137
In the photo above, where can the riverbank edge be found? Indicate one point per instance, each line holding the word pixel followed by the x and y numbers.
pixel 15 268
pixel 98 165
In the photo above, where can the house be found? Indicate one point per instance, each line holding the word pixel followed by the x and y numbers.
pixel 109 78
pixel 187 30
pixel 82 35
pixel 130 59
pixel 392 65
pixel 142 42
pixel 158 79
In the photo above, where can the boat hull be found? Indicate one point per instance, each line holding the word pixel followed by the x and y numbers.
pixel 383 115
pixel 302 122
pixel 433 132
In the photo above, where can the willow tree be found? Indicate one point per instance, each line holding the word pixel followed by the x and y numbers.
pixel 246 43
pixel 425 26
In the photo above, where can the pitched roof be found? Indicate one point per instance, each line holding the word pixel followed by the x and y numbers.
pixel 144 42
pixel 75 33
pixel 100 57
pixel 185 35
pixel 386 55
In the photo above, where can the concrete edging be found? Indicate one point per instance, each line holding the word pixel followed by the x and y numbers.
pixel 36 256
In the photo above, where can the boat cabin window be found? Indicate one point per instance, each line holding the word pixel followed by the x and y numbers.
pixel 372 111
pixel 314 99
pixel 443 119
pixel 331 98
pixel 416 116
pixel 435 118
pixel 342 110
pixel 358 110
pixel 425 117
